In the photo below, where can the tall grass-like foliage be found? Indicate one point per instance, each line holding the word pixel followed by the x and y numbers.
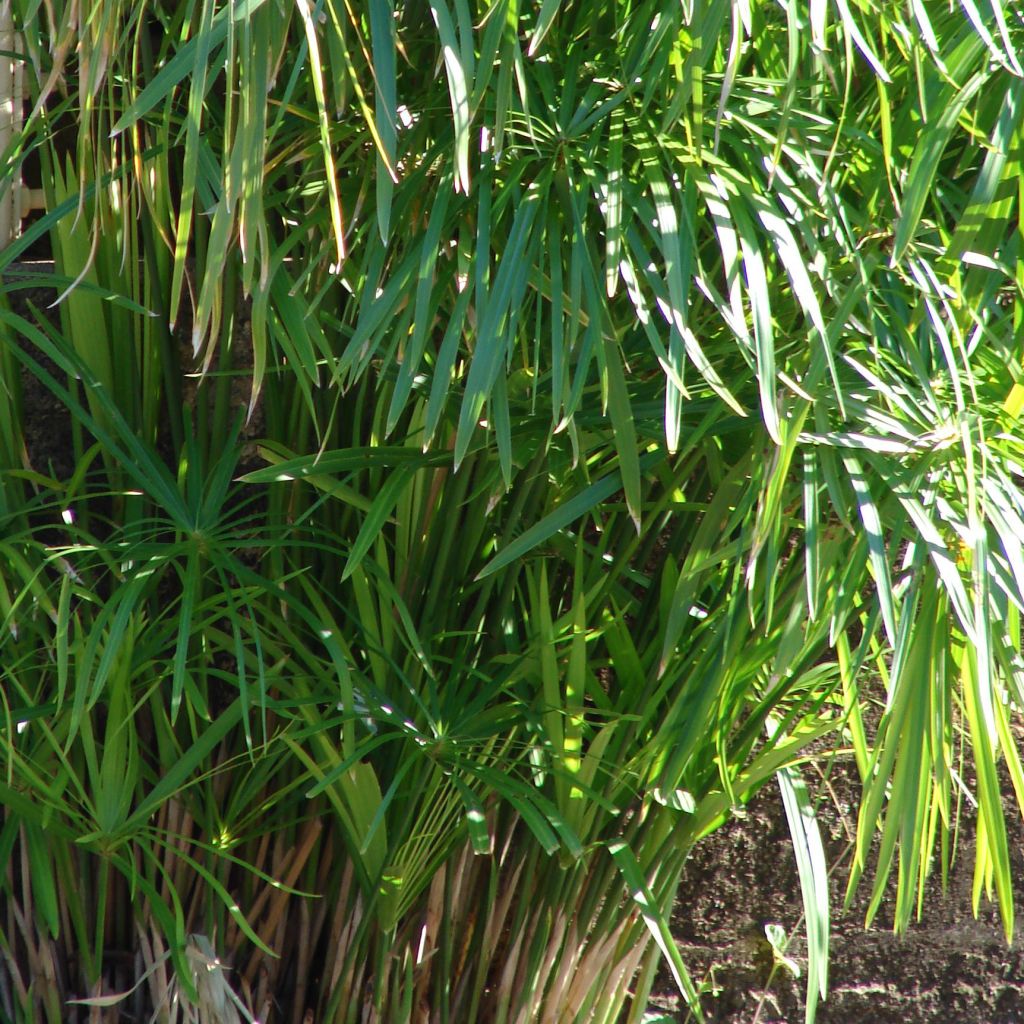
pixel 464 450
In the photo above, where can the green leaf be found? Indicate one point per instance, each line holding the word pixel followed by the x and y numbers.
pixel 566 514
pixel 625 432
pixel 925 163
pixel 657 924
pixel 381 509
pixel 458 63
pixel 813 871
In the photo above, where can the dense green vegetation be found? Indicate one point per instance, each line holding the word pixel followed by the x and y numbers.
pixel 477 446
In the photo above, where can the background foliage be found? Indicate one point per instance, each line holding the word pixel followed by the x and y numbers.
pixel 487 442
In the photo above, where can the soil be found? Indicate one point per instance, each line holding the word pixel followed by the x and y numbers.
pixel 45 420
pixel 949 967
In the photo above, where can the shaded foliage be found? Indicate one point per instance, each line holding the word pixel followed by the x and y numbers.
pixel 503 441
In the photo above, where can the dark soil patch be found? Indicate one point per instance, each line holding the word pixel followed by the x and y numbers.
pixel 949 968
pixel 45 420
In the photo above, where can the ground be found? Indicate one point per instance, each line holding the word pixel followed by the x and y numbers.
pixel 949 968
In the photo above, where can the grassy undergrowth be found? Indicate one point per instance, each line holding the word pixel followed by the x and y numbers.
pixel 483 446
